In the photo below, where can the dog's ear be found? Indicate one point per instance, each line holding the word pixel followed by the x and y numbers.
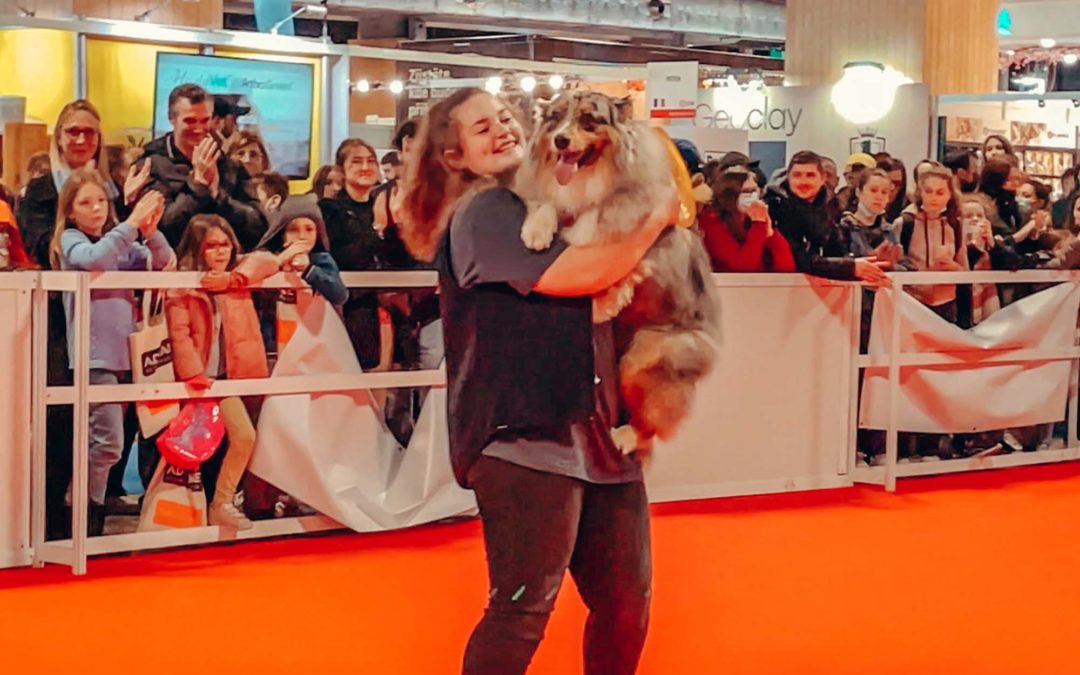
pixel 624 109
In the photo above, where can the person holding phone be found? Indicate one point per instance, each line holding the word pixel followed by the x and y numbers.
pixel 738 232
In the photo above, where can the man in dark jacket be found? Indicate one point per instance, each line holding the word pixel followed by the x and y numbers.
pixel 188 167
pixel 801 208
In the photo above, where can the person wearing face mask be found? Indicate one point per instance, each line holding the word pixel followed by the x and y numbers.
pixel 1032 200
pixel 800 209
pixel 738 231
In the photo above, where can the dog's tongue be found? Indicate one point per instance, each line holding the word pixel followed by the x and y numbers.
pixel 565 170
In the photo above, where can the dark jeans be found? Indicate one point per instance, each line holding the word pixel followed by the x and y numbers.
pixel 536 526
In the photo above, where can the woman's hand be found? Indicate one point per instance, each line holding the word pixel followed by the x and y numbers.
pixel 759 213
pixel 215 282
pixel 136 180
pixel 872 271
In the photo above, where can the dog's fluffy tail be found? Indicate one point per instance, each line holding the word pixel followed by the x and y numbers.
pixel 681 354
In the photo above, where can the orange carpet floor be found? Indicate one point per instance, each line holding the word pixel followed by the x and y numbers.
pixel 965 574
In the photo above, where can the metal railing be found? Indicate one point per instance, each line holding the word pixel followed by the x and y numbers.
pixel 81 394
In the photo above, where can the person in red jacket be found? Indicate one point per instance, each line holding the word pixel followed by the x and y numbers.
pixel 738 231
pixel 12 253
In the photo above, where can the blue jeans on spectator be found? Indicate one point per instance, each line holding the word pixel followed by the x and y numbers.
pixel 536 527
pixel 106 435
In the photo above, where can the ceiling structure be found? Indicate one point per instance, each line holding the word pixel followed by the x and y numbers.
pixel 741 24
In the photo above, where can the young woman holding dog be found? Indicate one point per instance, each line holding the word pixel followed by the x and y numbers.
pixel 531 396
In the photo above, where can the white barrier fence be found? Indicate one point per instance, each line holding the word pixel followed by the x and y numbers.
pixel 778 414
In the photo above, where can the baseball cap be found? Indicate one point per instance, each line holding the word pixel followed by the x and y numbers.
pixel 229 104
pixel 862 158
pixel 736 158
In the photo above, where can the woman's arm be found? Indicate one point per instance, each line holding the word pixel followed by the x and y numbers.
pixel 588 270
pixel 782 258
pixel 253 268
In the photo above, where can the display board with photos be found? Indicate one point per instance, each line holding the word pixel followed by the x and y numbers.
pixel 1044 151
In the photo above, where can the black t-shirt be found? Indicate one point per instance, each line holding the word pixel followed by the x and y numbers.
pixel 486 248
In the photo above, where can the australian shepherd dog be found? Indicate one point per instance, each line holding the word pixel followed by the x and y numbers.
pixel 592 176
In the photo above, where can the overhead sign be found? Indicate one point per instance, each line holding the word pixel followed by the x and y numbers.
pixel 671 90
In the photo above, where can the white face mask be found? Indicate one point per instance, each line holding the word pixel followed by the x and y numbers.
pixel 746 199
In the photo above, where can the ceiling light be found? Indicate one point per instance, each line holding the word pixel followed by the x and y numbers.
pixel 866 92
pixel 493 85
pixel 1048 43
pixel 363 86
pixel 556 81
pixel 528 83
pixel 396 87
pixel 1070 59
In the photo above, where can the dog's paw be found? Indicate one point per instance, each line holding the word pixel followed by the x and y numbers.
pixel 608 305
pixel 625 439
pixel 540 228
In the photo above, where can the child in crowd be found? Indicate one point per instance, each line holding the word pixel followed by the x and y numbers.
pixel 215 333
pixel 977 217
pixel 297 235
pixel 931 238
pixel 86 238
pixel 12 253
pixel 271 191
pixel 865 233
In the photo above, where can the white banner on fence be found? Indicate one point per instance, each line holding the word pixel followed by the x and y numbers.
pixel 331 451
pixel 968 395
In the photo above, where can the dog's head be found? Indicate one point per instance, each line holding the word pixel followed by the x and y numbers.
pixel 578 131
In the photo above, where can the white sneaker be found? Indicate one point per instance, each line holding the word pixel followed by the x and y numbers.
pixel 227 515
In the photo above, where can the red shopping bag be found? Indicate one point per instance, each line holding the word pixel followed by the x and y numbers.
pixel 192 436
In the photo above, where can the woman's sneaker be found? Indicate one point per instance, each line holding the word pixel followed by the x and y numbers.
pixel 225 514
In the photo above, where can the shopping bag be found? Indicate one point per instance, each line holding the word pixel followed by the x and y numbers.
pixel 175 499
pixel 151 362
pixel 194 435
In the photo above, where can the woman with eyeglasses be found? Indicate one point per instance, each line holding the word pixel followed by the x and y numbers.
pixel 77 144
pixel 738 231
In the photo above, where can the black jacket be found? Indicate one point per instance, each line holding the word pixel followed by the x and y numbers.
pixel 354 243
pixel 36 216
pixel 808 226
pixel 171 174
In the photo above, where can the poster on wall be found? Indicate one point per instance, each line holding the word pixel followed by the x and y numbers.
pixel 803 118
pixel 279 94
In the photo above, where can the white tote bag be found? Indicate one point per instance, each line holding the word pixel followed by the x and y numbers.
pixel 151 362
pixel 174 499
